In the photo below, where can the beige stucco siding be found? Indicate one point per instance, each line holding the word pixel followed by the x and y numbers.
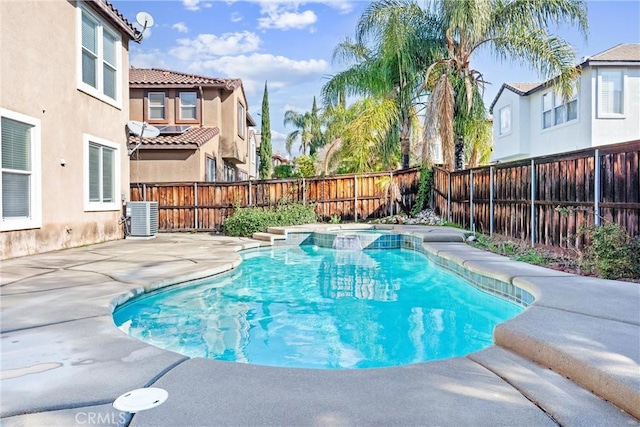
pixel 39 71
pixel 171 165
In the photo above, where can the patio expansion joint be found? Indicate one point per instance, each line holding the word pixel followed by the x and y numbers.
pixel 50 324
pixel 165 371
pixel 516 388
pixel 48 271
pixel 580 313
pixel 67 406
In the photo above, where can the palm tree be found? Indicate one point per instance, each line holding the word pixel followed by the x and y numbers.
pixel 388 56
pixel 513 30
pixel 308 129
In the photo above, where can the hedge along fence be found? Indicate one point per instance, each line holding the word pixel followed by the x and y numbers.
pixel 193 206
pixel 520 199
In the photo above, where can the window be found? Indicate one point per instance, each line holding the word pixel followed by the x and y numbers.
pixel 99 58
pixel 610 93
pixel 188 104
pixel 547 107
pixel 156 103
pixel 211 169
pixel 229 172
pixel 102 174
pixel 241 120
pixel 20 183
pixel 556 111
pixel 505 120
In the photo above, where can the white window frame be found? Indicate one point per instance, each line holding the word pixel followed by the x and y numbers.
pixel 101 27
pixel 211 177
pixel 90 206
pixel 194 106
pixel 503 131
pixel 623 81
pixel 242 120
pixel 35 218
pixel 164 106
pixel 558 103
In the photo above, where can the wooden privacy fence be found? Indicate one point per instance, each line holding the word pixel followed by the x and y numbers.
pixel 192 206
pixel 524 199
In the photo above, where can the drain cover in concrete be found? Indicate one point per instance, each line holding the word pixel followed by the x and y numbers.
pixel 140 399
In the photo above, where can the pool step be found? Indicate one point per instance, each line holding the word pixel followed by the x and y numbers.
pixel 562 399
pixel 268 237
pixel 277 230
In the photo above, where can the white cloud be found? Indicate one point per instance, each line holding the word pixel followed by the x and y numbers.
pixel 278 136
pixel 150 59
pixel 191 4
pixel 180 27
pixel 254 69
pixel 344 6
pixel 236 17
pixel 285 20
pixel 288 107
pixel 207 45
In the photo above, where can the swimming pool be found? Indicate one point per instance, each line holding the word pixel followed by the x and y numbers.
pixel 314 307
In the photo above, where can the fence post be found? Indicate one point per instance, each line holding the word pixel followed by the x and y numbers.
pixel 449 197
pixel 471 224
pixel 250 196
pixel 491 213
pixel 596 188
pixel 144 192
pixel 195 200
pixel 391 202
pixel 304 192
pixel 355 198
pixel 533 202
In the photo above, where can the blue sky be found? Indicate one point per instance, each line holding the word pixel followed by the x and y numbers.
pixel 290 44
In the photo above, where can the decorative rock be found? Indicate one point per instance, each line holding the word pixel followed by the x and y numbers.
pixel 425 217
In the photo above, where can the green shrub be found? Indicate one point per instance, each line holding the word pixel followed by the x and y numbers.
pixel 612 253
pixel 247 221
pixel 424 190
pixel 305 166
pixel 284 171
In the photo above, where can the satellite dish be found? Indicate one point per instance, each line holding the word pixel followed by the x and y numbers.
pixel 144 19
pixel 142 129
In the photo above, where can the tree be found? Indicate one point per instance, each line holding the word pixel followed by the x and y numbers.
pixel 265 141
pixel 512 30
pixel 387 60
pixel 308 129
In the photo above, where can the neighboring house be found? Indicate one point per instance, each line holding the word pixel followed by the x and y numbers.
pixel 278 160
pixel 64 107
pixel 203 123
pixel 532 119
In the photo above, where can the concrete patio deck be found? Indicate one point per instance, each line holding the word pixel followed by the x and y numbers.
pixel 571 359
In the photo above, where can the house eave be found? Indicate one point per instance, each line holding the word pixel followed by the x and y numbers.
pixel 107 10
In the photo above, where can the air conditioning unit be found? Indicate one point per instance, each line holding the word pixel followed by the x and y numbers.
pixel 143 218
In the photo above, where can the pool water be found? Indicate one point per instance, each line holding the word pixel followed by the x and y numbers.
pixel 313 307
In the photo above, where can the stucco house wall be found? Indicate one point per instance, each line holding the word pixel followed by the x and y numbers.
pixel 569 136
pixel 591 127
pixel 514 143
pixel 39 71
pixel 610 130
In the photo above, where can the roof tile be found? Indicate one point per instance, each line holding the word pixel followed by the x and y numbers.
pixel 118 18
pixel 160 77
pixel 193 137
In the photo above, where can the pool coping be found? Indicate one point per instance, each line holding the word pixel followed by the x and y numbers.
pixel 589 336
